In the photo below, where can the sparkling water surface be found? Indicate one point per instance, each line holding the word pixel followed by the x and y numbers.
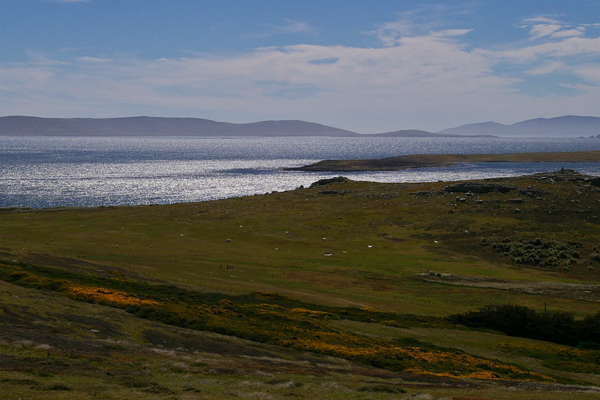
pixel 102 171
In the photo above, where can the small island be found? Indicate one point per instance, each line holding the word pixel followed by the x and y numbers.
pixel 443 160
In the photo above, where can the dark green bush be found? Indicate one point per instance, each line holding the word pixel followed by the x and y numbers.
pixel 514 320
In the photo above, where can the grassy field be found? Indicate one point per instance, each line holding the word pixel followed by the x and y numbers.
pixel 428 250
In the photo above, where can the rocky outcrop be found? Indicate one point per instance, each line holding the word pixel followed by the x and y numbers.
pixel 476 187
pixel 323 182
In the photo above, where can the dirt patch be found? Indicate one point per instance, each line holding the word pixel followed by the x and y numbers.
pixel 478 187
pixel 549 387
pixel 99 326
pixel 216 345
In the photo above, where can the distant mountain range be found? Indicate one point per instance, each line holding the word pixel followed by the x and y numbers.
pixel 568 126
pixel 155 126
pixel 418 133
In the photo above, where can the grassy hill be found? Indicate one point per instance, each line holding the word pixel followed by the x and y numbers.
pixel 341 290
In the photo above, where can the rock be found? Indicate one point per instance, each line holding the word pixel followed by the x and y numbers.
pixel 323 182
pixel 569 175
pixel 475 187
pixel 330 192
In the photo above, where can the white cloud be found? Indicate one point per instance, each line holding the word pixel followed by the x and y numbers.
pixel 422 21
pixel 542 30
pixel 289 27
pixel 418 79
pixel 295 27
pixel 590 73
pixel 540 20
pixel 546 68
pixel 545 27
pixel 569 47
pixel 359 88
pixel 580 31
pixel 95 60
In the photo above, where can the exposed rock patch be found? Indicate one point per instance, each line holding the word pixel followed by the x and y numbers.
pixel 477 187
pixel 323 182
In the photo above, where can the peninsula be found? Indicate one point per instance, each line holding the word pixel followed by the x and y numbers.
pixel 443 160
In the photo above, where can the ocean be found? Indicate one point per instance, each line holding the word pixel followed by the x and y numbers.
pixel 41 172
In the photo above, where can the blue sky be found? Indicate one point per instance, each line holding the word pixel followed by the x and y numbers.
pixel 366 66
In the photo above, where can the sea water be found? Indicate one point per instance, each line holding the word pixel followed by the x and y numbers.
pixel 43 172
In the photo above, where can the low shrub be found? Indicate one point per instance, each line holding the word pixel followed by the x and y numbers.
pixel 514 320
pixel 381 389
pixel 538 252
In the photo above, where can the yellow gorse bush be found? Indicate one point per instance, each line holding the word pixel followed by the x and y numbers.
pixel 312 313
pixel 557 357
pixel 457 364
pixel 297 327
pixel 105 296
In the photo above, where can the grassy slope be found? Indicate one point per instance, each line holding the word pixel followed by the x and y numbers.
pixel 52 347
pixel 351 243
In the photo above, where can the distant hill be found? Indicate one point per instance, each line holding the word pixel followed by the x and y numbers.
pixel 567 126
pixel 419 133
pixel 155 126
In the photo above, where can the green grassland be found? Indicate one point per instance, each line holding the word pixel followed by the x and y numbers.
pixel 416 253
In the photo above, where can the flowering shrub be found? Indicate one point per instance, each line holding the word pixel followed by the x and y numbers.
pixel 104 296
pixel 273 319
pixel 313 313
pixel 557 357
